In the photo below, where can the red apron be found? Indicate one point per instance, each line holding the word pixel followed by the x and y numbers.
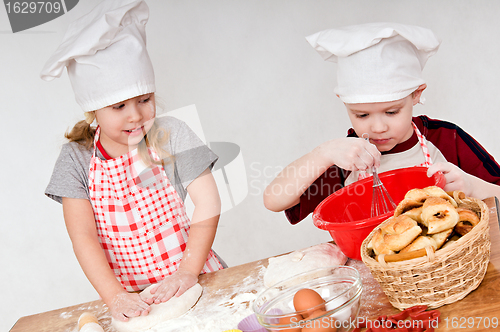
pixel 141 220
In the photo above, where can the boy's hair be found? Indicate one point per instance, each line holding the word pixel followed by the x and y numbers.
pixel 83 133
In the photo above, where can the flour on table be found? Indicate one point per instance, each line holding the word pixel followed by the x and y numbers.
pixel 218 311
pixel 173 308
pixel 66 315
pixel 371 305
pixel 286 266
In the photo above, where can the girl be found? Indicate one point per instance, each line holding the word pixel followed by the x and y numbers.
pixel 122 183
pixel 379 80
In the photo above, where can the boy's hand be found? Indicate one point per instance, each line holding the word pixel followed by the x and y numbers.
pixel 175 284
pixel 350 153
pixel 456 179
pixel 125 305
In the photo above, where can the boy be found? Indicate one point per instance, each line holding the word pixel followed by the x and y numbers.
pixel 379 80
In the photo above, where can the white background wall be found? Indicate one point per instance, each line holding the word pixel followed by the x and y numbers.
pixel 255 81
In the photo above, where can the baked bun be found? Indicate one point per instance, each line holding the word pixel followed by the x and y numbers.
pixel 451 241
pixel 407 204
pixel 435 241
pixel 435 191
pixel 438 215
pixel 419 243
pixel 418 195
pixel 415 198
pixel 425 220
pixel 415 214
pixel 440 238
pixel 467 219
pixel 395 235
pixel 378 245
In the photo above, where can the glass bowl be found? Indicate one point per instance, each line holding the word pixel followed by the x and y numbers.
pixel 339 286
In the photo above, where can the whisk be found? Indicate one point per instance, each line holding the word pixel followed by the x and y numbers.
pixel 382 202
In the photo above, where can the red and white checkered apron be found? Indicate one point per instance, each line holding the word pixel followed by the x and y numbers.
pixel 421 140
pixel 141 220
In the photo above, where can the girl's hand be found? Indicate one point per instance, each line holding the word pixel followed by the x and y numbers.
pixel 350 153
pixel 125 305
pixel 175 284
pixel 456 179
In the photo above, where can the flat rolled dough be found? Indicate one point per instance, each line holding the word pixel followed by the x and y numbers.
pixel 286 266
pixel 173 308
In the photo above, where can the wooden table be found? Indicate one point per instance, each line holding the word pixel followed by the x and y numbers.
pixel 479 308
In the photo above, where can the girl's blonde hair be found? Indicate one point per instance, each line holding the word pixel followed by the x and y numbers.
pixel 83 133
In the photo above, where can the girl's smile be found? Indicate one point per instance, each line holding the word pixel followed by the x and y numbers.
pixel 123 125
pixel 135 132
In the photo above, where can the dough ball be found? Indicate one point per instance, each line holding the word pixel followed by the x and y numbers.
pixel 173 308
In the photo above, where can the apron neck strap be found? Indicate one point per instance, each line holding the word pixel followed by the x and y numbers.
pixel 96 139
pixel 423 145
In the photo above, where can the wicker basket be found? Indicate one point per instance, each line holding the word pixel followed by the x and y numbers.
pixel 439 278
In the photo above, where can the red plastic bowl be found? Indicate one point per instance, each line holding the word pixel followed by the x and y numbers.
pixel 346 212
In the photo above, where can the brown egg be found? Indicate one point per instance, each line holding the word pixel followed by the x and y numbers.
pixel 324 324
pixel 306 299
pixel 292 320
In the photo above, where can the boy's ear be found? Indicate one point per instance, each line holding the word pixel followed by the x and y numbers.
pixel 417 93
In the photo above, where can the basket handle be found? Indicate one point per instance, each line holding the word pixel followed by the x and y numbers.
pixel 427 251
pixel 457 195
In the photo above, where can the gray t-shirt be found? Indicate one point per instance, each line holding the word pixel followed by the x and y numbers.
pixel 191 158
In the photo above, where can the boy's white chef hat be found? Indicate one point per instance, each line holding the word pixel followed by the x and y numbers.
pixel 377 62
pixel 105 55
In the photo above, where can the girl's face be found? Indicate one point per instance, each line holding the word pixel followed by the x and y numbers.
pixel 123 125
pixel 386 123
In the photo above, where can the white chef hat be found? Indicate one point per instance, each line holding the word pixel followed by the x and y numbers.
pixel 105 55
pixel 377 62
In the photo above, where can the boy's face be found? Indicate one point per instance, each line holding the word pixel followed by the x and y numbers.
pixel 386 123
